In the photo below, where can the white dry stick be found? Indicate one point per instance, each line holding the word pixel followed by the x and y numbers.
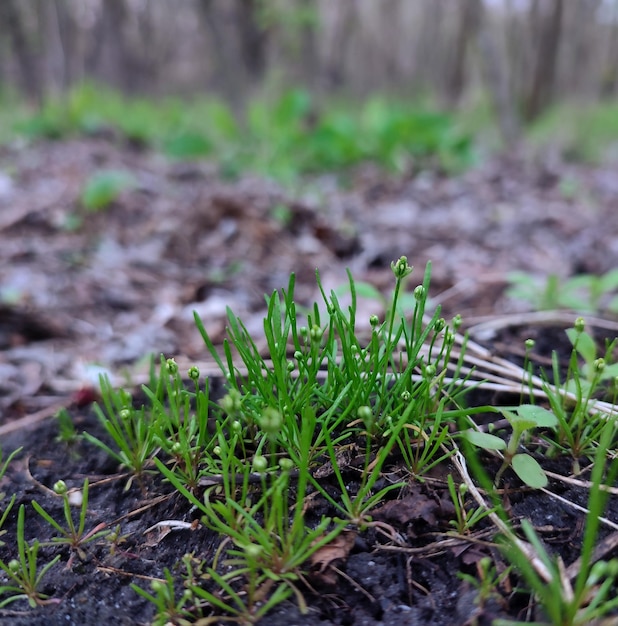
pixel 460 462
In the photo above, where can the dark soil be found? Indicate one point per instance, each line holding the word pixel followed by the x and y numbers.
pixel 124 284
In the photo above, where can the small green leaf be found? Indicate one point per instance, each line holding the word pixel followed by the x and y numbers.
pixel 529 471
pixel 583 343
pixel 484 440
pixel 542 417
pixel 519 422
pixel 103 187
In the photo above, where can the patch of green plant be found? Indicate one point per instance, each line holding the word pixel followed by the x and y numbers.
pixel 317 396
pixel 269 546
pixel 23 571
pixel 582 293
pixel 595 369
pixel 104 187
pixel 570 399
pixel 72 535
pixel 587 133
pixel 3 467
pixel 284 136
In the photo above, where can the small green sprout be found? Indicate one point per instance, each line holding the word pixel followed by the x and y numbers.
pixel 524 419
pixel 169 609
pixel 464 520
pixel 73 535
pixel 104 187
pixel 23 572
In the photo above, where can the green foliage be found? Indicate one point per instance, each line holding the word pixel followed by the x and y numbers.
pixel 284 136
pixel 587 133
pixel 583 293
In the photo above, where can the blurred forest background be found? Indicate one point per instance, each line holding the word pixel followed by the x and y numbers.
pixel 502 63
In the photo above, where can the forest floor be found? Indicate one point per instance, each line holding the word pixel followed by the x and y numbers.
pixel 89 292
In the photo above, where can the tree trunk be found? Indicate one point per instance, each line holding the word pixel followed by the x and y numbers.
pixel 468 23
pixel 495 69
pixel 11 22
pixel 544 75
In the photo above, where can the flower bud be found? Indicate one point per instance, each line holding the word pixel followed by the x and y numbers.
pixel 194 372
pixel 430 370
pixel 316 332
pixel 271 421
pixel 419 293
pixel 260 463
pixel 457 320
pixel 172 366
pixel 365 414
pixel 253 550
pixel 60 487
pixel 580 324
pixel 400 268
pixel 286 464
pixel 125 414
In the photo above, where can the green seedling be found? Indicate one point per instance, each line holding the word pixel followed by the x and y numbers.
pixel 4 465
pixel 9 506
pixel 67 433
pixel 586 293
pixel 169 609
pixel 464 520
pixel 523 419
pixel 72 535
pixel 24 574
pixel 487 582
pixel 130 429
pixel 104 187
pixel 5 514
